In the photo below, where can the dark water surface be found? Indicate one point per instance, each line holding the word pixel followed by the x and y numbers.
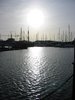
pixel 36 73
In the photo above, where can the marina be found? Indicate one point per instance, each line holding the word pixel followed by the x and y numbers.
pixel 37 50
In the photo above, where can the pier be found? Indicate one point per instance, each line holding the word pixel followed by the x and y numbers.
pixel 11 44
pixel 73 94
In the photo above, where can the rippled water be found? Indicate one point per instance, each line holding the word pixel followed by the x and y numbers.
pixel 34 74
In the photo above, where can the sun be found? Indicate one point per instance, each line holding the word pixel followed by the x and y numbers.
pixel 35 18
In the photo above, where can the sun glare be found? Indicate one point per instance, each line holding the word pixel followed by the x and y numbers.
pixel 35 18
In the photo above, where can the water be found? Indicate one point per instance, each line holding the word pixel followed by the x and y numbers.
pixel 36 73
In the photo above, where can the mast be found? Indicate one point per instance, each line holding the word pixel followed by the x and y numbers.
pixel 59 35
pixel 21 34
pixel 0 36
pixel 28 34
pixel 69 32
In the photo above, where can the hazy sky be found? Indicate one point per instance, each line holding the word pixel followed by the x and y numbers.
pixel 58 13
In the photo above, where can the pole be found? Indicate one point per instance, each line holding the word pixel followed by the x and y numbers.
pixel 73 95
pixel 28 34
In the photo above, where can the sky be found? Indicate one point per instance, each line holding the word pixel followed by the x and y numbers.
pixel 58 14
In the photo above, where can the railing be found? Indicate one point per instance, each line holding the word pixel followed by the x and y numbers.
pixel 73 94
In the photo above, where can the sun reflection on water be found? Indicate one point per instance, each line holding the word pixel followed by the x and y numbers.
pixel 33 76
pixel 35 54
